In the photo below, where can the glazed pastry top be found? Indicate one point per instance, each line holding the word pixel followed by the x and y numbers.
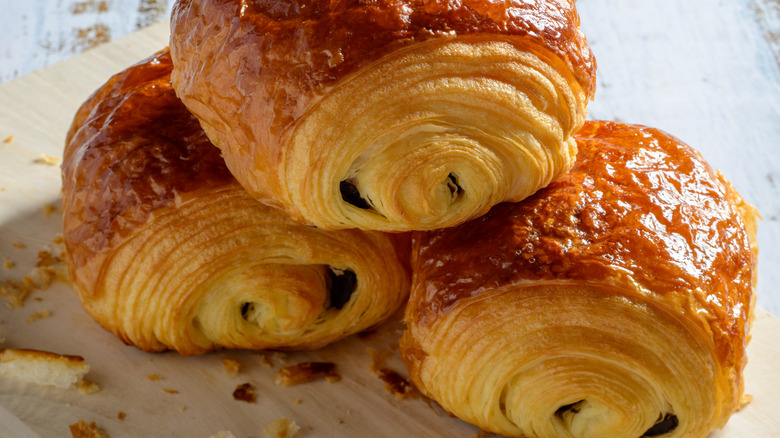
pixel 639 211
pixel 302 47
pixel 113 155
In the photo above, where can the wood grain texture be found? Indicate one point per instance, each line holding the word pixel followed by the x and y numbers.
pixel 703 71
pixel 38 33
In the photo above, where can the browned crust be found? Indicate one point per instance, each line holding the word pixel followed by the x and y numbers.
pixel 640 210
pixel 304 47
pixel 112 174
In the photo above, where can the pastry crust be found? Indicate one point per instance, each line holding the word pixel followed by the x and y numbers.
pixel 393 116
pixel 615 302
pixel 166 250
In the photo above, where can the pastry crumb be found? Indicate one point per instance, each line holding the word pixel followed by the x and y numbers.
pixel 48 209
pixel 245 392
pixel 170 391
pixel 264 360
pixel 154 377
pixel 281 428
pixel 43 367
pixel 44 313
pixel 744 401
pixel 306 372
pixel 395 383
pixel 223 434
pixel 82 429
pixel 47 160
pixel 19 245
pixel 231 366
pixel 87 387
pixel 121 416
pixel 8 263
pixel 8 139
pixel 47 269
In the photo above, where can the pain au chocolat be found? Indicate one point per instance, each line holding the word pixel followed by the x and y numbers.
pixel 615 302
pixel 393 115
pixel 168 251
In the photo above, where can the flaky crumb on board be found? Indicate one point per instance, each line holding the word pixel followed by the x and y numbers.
pixel 43 367
pixel 245 392
pixel 231 367
pixel 82 429
pixel 19 245
pixel 153 377
pixel 47 160
pixel 744 401
pixel 306 372
pixel 88 387
pixel 395 383
pixel 223 434
pixel 43 313
pixel 121 416
pixel 281 428
pixel 8 139
pixel 48 268
pixel 48 209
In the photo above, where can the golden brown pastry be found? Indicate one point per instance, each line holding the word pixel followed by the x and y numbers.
pixel 613 303
pixel 392 115
pixel 167 251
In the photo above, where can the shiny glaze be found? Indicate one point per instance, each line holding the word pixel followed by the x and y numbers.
pixel 639 208
pixel 132 148
pixel 287 53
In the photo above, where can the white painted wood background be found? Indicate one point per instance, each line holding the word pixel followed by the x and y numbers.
pixel 37 33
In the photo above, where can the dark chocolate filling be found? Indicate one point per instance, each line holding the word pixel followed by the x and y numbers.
pixel 246 308
pixel 665 424
pixel 573 407
pixel 452 184
pixel 351 195
pixel 342 284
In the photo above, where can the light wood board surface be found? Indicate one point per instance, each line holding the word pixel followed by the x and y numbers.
pixel 649 74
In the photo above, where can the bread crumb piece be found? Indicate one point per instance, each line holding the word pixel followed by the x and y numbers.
pixel 744 401
pixel 394 382
pixel 83 430
pixel 8 263
pixel 8 139
pixel 87 387
pixel 223 434
pixel 121 416
pixel 306 372
pixel 279 357
pixel 264 360
pixel 43 367
pixel 297 401
pixel 182 408
pixel 154 377
pixel 19 245
pixel 245 392
pixel 48 209
pixel 281 428
pixel 47 269
pixel 47 160
pixel 170 391
pixel 44 313
pixel 231 367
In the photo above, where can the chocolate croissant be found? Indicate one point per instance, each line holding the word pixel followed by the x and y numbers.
pixel 616 302
pixel 392 115
pixel 167 251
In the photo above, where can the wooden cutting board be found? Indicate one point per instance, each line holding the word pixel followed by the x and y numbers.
pixel 193 395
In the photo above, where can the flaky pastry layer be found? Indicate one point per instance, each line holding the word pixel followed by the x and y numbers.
pixel 410 116
pixel 168 251
pixel 615 302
